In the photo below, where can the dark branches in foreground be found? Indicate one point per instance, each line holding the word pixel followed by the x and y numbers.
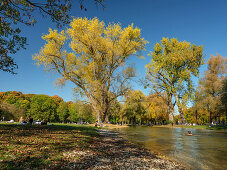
pixel 26 12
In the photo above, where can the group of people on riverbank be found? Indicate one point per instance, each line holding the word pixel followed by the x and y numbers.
pixel 30 121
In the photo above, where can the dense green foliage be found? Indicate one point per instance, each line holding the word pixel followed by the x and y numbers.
pixel 14 104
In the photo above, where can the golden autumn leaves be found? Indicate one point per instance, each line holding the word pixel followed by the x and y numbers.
pixel 96 61
pixel 97 57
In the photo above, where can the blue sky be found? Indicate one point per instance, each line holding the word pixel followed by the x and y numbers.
pixel 201 22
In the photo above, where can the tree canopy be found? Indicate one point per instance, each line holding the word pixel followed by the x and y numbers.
pixel 170 71
pixel 210 90
pixel 96 62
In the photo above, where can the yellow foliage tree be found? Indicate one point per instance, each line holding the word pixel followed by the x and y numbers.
pixel 96 62
pixel 170 71
pixel 156 108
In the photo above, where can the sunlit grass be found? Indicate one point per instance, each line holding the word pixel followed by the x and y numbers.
pixel 193 127
pixel 23 146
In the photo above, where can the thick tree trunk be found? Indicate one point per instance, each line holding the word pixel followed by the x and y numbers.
pixel 105 109
pixel 171 116
pixel 97 111
pixel 225 116
pixel 196 116
pixel 171 110
pixel 98 117
pixel 106 119
pixel 180 108
pixel 210 120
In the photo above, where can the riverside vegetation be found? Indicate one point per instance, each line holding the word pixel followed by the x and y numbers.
pixel 72 147
pixel 97 65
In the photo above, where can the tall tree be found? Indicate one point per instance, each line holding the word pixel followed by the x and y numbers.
pixel 63 111
pixel 133 108
pixel 170 71
pixel 156 109
pixel 211 85
pixel 25 12
pixel 224 97
pixel 43 107
pixel 96 63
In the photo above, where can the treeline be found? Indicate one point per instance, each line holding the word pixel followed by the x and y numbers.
pixel 210 97
pixel 208 101
pixel 136 108
pixel 97 66
pixel 15 104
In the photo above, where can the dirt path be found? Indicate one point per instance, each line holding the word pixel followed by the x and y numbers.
pixel 110 151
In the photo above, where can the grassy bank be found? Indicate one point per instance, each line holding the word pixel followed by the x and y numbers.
pixel 41 146
pixel 193 127
pixel 66 146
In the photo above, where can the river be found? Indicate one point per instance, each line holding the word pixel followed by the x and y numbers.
pixel 206 149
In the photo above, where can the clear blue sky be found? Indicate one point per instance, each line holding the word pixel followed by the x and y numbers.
pixel 202 22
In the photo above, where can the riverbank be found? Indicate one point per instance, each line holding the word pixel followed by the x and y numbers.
pixel 73 147
pixel 193 127
pixel 114 126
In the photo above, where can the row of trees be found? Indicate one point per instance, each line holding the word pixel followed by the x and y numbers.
pixel 15 104
pixel 210 98
pixel 136 109
pixel 97 65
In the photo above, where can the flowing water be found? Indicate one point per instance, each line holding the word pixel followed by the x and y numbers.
pixel 206 149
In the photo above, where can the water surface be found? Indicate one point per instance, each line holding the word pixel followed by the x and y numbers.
pixel 206 149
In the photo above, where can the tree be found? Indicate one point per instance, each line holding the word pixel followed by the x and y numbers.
pixel 81 112
pixel 115 115
pixel 57 98
pixel 73 112
pixel 189 115
pixel 63 111
pixel 10 111
pixel 96 64
pixel 170 71
pixel 23 11
pixel 156 109
pixel 211 85
pixel 43 106
pixel 224 97
pixel 133 108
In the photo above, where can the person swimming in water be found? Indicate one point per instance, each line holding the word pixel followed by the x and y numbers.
pixel 189 133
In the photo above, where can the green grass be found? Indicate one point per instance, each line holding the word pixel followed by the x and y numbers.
pixel 194 127
pixel 30 146
pixel 203 127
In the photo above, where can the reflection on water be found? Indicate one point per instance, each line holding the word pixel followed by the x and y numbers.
pixel 206 149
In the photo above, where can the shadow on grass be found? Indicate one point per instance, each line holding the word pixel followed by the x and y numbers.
pixel 70 147
pixel 40 146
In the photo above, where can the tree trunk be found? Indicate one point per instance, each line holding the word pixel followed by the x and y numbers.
pixel 106 119
pixel 180 108
pixel 105 109
pixel 210 117
pixel 171 109
pixel 225 116
pixel 171 116
pixel 98 117
pixel 196 116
